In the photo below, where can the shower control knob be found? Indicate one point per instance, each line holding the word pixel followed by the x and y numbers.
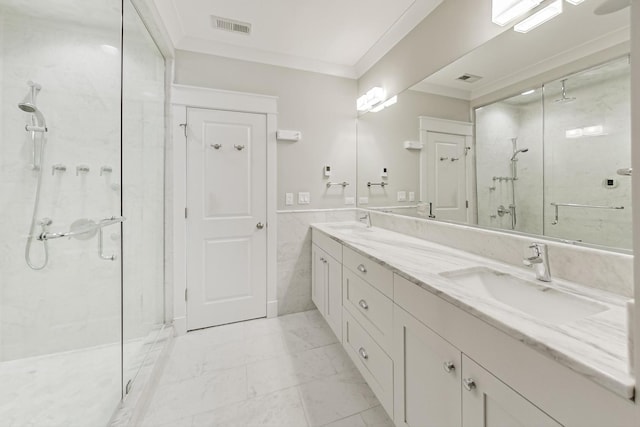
pixel 259 226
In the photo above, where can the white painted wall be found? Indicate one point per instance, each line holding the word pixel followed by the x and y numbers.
pixel 380 144
pixel 321 107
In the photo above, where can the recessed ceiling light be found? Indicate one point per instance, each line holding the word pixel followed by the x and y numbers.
pixel 528 92
pixel 575 2
pixel 107 48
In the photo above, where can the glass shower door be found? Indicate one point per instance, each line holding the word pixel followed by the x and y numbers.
pixel 60 208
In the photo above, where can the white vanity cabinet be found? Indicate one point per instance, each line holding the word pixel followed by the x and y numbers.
pixel 326 280
pixel 436 385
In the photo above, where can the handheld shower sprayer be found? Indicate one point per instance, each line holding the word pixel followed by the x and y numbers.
pixel 515 154
pixel 37 125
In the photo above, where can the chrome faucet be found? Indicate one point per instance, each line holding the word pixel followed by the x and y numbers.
pixel 539 260
pixel 366 219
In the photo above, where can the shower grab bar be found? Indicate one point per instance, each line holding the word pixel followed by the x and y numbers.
pixel 578 205
pixel 98 226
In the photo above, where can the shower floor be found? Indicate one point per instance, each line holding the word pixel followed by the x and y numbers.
pixel 75 388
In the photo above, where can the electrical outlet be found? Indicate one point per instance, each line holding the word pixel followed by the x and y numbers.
pixel 402 196
pixel 363 200
pixel 304 198
pixel 412 196
pixel 349 200
pixel 288 199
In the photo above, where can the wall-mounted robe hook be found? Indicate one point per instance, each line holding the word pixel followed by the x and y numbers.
pixel 82 169
pixel 58 168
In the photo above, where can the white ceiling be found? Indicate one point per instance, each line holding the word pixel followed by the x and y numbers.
pixel 513 57
pixel 338 37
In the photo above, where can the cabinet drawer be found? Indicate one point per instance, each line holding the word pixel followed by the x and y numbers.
pixel 368 306
pixel 372 362
pixel 327 244
pixel 372 272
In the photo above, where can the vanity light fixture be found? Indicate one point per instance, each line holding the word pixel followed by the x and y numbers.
pixel 505 11
pixel 528 92
pixel 389 102
pixel 540 17
pixel 371 99
pixel 573 133
pixel 595 130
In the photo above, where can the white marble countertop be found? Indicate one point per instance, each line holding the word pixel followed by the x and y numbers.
pixel 595 346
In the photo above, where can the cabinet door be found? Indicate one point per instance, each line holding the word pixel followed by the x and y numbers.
pixel 333 277
pixel 427 375
pixel 318 278
pixel 488 402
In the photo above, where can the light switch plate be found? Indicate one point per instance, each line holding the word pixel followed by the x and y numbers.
pixel 402 196
pixel 288 199
pixel 363 200
pixel 349 200
pixel 412 196
pixel 304 198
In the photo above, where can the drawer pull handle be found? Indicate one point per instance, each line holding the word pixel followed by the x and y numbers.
pixel 449 366
pixel 362 268
pixel 469 383
pixel 363 304
pixel 363 353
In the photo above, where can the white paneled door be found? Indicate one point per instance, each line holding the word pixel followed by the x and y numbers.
pixel 446 176
pixel 226 221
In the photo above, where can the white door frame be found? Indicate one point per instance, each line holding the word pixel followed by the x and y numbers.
pixel 183 96
pixel 453 127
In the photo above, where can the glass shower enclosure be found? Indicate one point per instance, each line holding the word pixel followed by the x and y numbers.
pixel 81 208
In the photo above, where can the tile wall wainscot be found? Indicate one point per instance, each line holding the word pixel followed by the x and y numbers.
pixel 294 255
pixel 609 271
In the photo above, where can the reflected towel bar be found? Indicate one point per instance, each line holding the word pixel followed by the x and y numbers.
pixel 103 223
pixel 578 205
pixel 343 184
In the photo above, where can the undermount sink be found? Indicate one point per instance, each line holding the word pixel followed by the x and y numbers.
pixel 542 302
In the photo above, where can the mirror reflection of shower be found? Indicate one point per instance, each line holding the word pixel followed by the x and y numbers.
pixel 37 127
pixel 514 178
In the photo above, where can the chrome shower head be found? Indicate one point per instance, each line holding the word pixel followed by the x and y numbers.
pixel 522 150
pixel 28 104
pixel 564 98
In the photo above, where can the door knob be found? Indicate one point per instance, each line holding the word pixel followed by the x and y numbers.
pixel 259 226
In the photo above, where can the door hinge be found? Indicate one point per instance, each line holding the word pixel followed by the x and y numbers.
pixel 186 294
pixel 467 203
pixel 184 127
pixel 186 213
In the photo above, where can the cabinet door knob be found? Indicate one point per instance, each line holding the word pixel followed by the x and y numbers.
pixel 449 366
pixel 469 383
pixel 363 353
pixel 362 268
pixel 216 146
pixel 362 303
pixel 259 226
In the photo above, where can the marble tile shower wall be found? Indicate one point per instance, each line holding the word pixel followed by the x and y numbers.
pixel 574 169
pixel 294 256
pixel 75 301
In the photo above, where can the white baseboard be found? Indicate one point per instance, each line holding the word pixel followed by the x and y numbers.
pixel 180 325
pixel 272 309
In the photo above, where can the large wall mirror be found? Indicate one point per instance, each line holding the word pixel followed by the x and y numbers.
pixel 529 133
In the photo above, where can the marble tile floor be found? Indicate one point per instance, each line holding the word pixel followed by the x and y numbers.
pixel 285 371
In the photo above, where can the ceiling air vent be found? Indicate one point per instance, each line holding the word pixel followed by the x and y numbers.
pixel 468 78
pixel 227 24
